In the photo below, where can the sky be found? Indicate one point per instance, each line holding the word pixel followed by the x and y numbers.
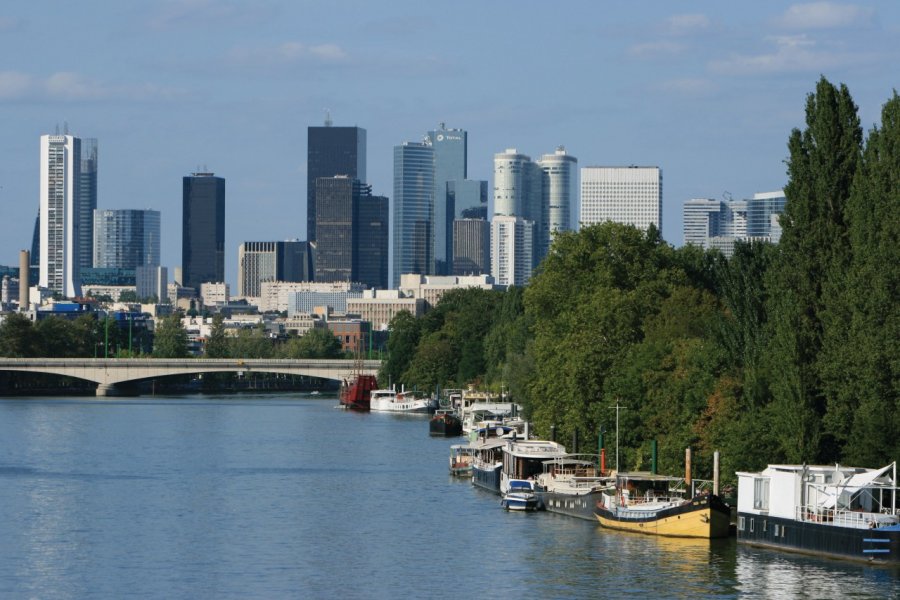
pixel 708 91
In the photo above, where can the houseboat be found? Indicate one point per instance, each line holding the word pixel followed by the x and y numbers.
pixel 833 511
pixel 524 459
pixel 571 485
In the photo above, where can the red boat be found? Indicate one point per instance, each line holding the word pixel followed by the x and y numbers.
pixel 356 394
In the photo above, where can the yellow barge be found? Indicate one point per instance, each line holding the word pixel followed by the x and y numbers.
pixel 652 504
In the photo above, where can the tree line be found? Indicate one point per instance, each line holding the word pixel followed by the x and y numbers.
pixel 785 352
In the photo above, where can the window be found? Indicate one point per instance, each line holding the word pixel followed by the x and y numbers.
pixel 751 525
pixel 761 493
pixel 740 523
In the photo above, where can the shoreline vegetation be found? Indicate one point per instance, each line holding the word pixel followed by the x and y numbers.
pixel 785 352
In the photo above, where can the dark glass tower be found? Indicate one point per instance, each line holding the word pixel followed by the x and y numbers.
pixel 203 230
pixel 331 151
pixel 450 156
pixel 413 216
pixel 87 191
pixel 372 246
pixel 337 204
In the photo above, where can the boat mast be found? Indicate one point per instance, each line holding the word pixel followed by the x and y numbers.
pixel 617 407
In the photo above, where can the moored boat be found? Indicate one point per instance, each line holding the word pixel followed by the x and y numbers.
pixel 520 496
pixel 461 456
pixel 571 485
pixel 657 505
pixel 834 511
pixel 445 423
pixel 524 459
pixel 356 394
pixel 486 463
pixel 403 402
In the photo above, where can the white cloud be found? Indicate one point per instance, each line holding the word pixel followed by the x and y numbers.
pixel 792 54
pixel 69 86
pixel 288 53
pixel 655 49
pixel 824 15
pixel 687 24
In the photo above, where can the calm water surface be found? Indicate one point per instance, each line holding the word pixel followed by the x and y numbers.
pixel 274 497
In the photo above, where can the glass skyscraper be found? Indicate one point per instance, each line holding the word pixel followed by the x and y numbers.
pixel 559 188
pixel 87 184
pixel 125 239
pixel 272 261
pixel 331 151
pixel 450 158
pixel 413 210
pixel 203 229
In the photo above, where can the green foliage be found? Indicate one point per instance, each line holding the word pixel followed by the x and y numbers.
pixel 316 343
pixel 18 338
pixel 170 339
pixel 251 343
pixel 217 344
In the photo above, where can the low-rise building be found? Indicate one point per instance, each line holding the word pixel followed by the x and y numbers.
pixel 378 307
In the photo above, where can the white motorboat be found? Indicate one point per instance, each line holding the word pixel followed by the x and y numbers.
pixel 402 402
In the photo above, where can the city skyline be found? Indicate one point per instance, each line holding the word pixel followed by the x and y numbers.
pixel 708 92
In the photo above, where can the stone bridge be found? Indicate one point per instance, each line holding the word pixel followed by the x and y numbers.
pixel 108 372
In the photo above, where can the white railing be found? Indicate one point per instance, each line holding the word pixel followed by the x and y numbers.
pixel 843 518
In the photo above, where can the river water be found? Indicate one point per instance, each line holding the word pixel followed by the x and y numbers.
pixel 286 496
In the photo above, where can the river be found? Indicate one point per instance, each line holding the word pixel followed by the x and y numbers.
pixel 263 496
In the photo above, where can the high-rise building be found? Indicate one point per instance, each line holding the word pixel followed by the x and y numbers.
pixel 272 261
pixel 471 247
pixel 512 244
pixel 87 184
pixel 60 239
pixel 630 195
pixel 151 281
pixel 413 218
pixel 203 229
pixel 331 151
pixel 337 202
pixel 373 242
pixel 719 224
pixel 125 239
pixel 518 192
pixel 450 156
pixel 559 189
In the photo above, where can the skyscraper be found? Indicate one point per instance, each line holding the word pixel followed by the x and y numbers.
pixel 60 173
pixel 630 195
pixel 413 210
pixel 373 242
pixel 125 239
pixel 471 247
pixel 203 229
pixel 272 261
pixel 450 157
pixel 558 189
pixel 518 192
pixel 331 151
pixel 760 212
pixel 87 187
pixel 512 244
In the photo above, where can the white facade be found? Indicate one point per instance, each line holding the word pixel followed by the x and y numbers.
pixel 517 185
pixel 257 262
pixel 274 295
pixel 511 250
pixel 214 293
pixel 432 288
pixel 559 190
pixel 378 307
pixel 60 170
pixel 628 195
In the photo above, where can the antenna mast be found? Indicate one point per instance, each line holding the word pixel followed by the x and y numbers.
pixel 327 117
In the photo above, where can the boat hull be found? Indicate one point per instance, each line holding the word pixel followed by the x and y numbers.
pixel 520 502
pixel 356 395
pixel 445 425
pixel 580 506
pixel 704 517
pixel 880 545
pixel 488 479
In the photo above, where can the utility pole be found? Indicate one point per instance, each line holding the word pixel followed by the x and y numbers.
pixel 617 407
pixel 106 341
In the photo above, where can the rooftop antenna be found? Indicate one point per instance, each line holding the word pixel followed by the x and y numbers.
pixel 327 117
pixel 57 129
pixel 727 195
pixel 65 127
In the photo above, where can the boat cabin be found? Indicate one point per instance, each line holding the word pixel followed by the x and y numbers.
pixel 641 487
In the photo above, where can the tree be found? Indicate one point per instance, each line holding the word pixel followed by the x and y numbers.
pixel 318 342
pixel 17 337
pixel 128 296
pixel 217 342
pixel 401 347
pixel 170 339
pixel 250 343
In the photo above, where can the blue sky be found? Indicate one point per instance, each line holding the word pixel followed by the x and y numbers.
pixel 709 91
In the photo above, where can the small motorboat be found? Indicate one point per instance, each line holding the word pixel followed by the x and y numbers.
pixel 520 496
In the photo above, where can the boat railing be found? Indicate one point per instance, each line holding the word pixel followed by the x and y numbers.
pixel 855 519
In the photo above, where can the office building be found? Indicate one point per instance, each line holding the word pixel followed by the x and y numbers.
pixel 512 244
pixel 272 261
pixel 760 212
pixel 126 239
pixel 559 187
pixel 630 195
pixel 331 151
pixel 274 295
pixel 518 192
pixel 214 293
pixel 87 184
pixel 151 281
pixel 719 224
pixel 413 217
pixel 203 229
pixel 450 164
pixel 471 247
pixel 372 242
pixel 60 211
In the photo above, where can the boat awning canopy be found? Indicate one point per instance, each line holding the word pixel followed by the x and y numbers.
pixel 852 485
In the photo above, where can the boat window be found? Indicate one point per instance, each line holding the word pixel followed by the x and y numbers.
pixel 775 529
pixel 751 525
pixel 740 523
pixel 761 493
pixel 765 523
